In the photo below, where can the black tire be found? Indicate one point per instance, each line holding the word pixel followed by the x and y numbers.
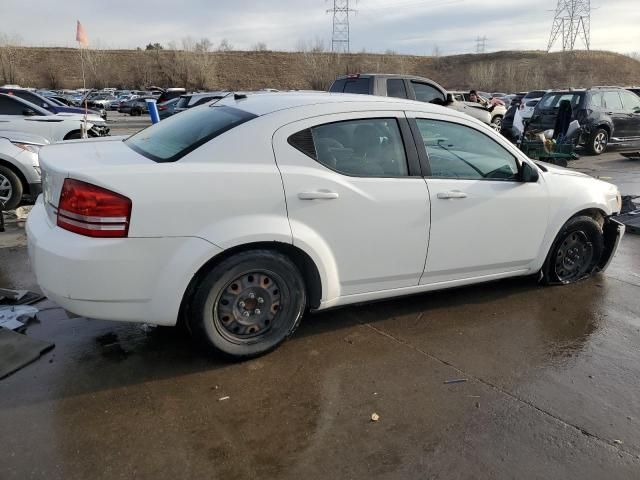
pixel 598 142
pixel 222 299
pixel 76 134
pixel 497 122
pixel 135 112
pixel 10 185
pixel 575 253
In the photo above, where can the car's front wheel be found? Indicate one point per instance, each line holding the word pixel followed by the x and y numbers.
pixel 575 253
pixel 598 142
pixel 496 123
pixel 248 304
pixel 11 189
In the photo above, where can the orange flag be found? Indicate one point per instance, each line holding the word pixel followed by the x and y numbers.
pixel 81 35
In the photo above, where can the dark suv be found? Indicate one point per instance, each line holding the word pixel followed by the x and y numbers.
pixel 607 115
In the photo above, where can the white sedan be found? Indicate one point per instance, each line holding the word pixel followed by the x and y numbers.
pixel 20 115
pixel 239 216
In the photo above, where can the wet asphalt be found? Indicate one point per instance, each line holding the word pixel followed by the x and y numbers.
pixel 549 388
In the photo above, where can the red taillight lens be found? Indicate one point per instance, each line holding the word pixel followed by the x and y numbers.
pixel 93 211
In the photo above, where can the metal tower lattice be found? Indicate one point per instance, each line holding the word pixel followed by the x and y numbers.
pixel 340 36
pixel 572 20
pixel 481 44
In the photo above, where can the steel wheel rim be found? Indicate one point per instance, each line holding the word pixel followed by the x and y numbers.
pixel 573 257
pixel 497 123
pixel 249 307
pixel 600 142
pixel 6 189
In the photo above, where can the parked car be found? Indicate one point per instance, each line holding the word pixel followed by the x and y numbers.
pixel 191 100
pixel 47 103
pixel 170 93
pixel 428 197
pixel 635 90
pixel 19 167
pixel 166 109
pixel 135 107
pixel 497 109
pixel 607 115
pixel 62 99
pixel 406 86
pixel 529 102
pixel 19 115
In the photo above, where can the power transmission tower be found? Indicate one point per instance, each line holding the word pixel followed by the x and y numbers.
pixel 340 36
pixel 481 44
pixel 572 20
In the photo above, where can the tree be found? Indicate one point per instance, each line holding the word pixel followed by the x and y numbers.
pixel 9 58
pixel 154 46
pixel 203 45
pixel 259 47
pixel 225 46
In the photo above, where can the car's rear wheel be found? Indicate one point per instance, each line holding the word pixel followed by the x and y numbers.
pixel 11 189
pixel 575 253
pixel 248 304
pixel 598 142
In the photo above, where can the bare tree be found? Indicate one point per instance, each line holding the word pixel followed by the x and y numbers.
pixel 225 46
pixel 259 47
pixel 9 58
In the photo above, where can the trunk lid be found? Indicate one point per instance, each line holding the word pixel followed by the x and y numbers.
pixel 86 160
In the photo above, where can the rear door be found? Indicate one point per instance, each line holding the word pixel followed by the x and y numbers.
pixel 355 194
pixel 612 105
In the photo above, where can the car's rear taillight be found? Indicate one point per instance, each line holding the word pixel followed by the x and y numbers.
pixel 93 211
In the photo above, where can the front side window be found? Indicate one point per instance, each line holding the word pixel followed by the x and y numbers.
pixel 364 148
pixel 457 151
pixel 176 136
pixel 631 102
pixel 426 93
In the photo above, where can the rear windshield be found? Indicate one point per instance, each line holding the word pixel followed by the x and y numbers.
pixel 176 136
pixel 552 100
pixel 535 94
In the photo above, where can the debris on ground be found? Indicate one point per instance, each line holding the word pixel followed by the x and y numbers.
pixel 222 399
pixel 618 442
pixel 22 213
pixel 18 297
pixel 375 417
pixel 15 317
pixel 455 381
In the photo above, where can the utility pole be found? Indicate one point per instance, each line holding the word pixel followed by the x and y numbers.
pixel 572 20
pixel 481 44
pixel 340 35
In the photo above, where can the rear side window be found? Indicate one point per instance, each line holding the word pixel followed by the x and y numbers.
pixel 552 100
pixel 178 135
pixel 183 102
pixel 612 100
pixel 631 102
pixel 426 93
pixel 396 88
pixel 9 106
pixel 370 147
pixel 352 85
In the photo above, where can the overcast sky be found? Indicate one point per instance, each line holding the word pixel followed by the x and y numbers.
pixel 405 26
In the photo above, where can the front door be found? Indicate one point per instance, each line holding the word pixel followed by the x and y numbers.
pixel 631 118
pixel 484 220
pixel 353 198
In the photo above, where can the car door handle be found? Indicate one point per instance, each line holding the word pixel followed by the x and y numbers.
pixel 450 195
pixel 318 196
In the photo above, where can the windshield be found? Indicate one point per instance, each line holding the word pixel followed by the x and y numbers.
pixel 176 136
pixel 552 100
pixel 535 94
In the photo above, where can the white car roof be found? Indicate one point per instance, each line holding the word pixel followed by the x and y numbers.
pixel 266 103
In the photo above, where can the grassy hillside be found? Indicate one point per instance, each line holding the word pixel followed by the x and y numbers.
pixel 501 71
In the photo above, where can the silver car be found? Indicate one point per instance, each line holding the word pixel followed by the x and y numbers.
pixel 19 167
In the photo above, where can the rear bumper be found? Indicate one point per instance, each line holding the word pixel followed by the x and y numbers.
pixel 128 279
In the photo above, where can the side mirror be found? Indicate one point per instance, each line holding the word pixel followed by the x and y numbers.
pixel 529 174
pixel 449 99
pixel 28 112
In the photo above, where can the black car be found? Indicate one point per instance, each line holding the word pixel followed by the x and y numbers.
pixel 135 107
pixel 607 115
pixel 46 103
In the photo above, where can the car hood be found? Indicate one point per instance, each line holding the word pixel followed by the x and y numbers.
pixel 555 170
pixel 80 116
pixel 22 137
